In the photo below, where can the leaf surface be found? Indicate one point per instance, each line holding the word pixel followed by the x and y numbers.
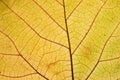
pixel 59 39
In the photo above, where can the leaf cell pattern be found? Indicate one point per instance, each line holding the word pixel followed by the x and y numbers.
pixel 59 40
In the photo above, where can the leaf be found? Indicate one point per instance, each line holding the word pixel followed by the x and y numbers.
pixel 59 39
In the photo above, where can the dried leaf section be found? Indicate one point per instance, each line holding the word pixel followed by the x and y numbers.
pixel 59 39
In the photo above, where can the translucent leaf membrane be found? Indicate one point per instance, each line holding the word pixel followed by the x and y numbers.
pixel 59 39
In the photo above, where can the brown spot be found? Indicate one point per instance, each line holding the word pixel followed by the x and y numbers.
pixel 87 51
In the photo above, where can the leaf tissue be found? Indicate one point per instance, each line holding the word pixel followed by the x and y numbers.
pixel 59 39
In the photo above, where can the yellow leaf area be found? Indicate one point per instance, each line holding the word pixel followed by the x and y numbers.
pixel 59 39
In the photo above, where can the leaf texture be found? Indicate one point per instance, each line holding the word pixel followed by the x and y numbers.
pixel 59 39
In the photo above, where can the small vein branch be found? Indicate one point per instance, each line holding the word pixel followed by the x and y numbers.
pixel 91 25
pixel 9 54
pixel 106 60
pixel 102 52
pixel 22 55
pixel 49 15
pixel 33 28
pixel 18 76
pixel 59 2
pixel 68 37
pixel 74 9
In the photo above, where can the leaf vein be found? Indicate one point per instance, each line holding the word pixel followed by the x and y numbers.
pixel 33 28
pixel 23 56
pixel 69 43
pixel 49 15
pixel 101 53
pixel 18 76
pixel 91 25
pixel 74 9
